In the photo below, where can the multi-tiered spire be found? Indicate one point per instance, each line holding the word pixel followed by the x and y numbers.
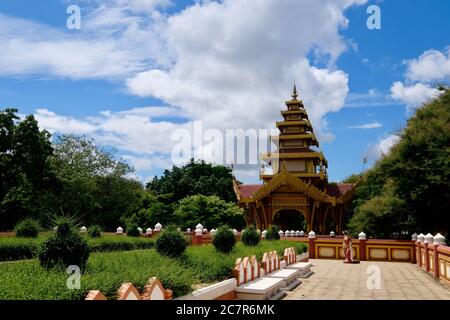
pixel 294 146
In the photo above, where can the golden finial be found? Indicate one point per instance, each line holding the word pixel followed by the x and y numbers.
pixel 294 93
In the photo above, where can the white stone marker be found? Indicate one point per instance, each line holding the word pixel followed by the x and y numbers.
pixel 421 237
pixel 439 239
pixel 429 238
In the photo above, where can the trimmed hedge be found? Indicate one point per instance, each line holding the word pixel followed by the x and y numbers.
pixel 94 231
pixel 272 233
pixel 27 228
pixel 224 240
pixel 18 249
pixel 171 243
pixel 250 237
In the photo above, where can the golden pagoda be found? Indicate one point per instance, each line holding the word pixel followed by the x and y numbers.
pixel 295 193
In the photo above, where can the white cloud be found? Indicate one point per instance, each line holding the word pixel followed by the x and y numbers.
pixel 227 63
pixel 239 59
pixel 57 123
pixel 413 96
pixel 111 44
pixel 131 131
pixel 371 125
pixel 145 163
pixel 432 65
pixel 382 147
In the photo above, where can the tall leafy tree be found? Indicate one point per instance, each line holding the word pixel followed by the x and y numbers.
pixel 27 181
pixel 210 211
pixel 94 184
pixel 408 190
pixel 194 178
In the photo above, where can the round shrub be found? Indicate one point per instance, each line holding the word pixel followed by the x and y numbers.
pixel 64 248
pixel 272 233
pixel 250 237
pixel 224 240
pixel 132 230
pixel 28 228
pixel 171 242
pixel 95 231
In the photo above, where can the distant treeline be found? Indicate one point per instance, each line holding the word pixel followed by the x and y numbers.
pixel 71 175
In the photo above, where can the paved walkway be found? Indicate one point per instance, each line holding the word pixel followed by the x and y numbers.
pixel 333 279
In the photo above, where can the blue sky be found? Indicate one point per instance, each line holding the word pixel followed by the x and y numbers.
pixel 138 70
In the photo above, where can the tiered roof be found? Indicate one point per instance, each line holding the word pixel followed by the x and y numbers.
pixel 294 141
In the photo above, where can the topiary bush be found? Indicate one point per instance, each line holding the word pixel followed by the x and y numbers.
pixel 171 242
pixel 132 230
pixel 64 248
pixel 224 240
pixel 27 228
pixel 95 231
pixel 272 233
pixel 250 237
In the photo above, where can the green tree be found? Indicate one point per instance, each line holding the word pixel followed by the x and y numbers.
pixel 194 178
pixel 27 181
pixel 94 184
pixel 210 211
pixel 352 178
pixel 413 179
pixel 154 209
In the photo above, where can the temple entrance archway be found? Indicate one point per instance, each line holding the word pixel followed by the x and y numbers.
pixel 289 219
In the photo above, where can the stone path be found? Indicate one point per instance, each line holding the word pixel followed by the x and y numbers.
pixel 333 279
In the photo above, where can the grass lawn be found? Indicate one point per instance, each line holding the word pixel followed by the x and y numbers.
pixel 107 271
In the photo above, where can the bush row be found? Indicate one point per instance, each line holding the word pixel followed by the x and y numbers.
pixel 18 249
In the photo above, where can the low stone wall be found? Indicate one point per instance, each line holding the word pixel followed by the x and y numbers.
pixel 433 256
pixel 429 252
pixel 326 247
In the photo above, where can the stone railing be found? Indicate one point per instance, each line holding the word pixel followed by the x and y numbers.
pixel 428 251
pixel 433 255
